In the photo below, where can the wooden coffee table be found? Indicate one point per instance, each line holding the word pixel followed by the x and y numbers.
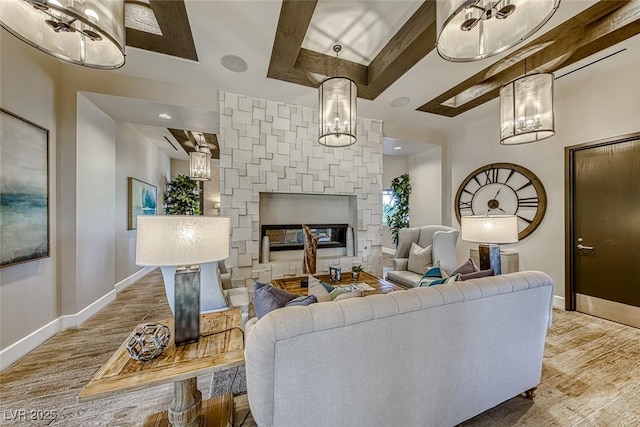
pixel 220 347
pixel 292 284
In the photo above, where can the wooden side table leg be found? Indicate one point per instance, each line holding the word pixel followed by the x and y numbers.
pixel 184 410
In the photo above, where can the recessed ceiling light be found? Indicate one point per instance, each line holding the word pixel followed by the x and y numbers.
pixel 397 148
pixel 234 63
pixel 164 116
pixel 400 102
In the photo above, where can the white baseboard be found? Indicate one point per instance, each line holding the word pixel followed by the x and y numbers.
pixel 558 302
pixel 124 284
pixel 389 251
pixel 72 321
pixel 24 346
pixel 21 348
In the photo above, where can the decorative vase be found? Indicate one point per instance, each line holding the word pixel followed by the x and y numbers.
pixel 265 249
pixel 350 251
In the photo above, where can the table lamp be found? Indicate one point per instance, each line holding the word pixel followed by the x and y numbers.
pixel 179 244
pixel 490 231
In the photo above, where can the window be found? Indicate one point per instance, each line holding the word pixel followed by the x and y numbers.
pixel 387 203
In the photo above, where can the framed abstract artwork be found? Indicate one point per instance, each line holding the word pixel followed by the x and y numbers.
pixel 24 190
pixel 141 201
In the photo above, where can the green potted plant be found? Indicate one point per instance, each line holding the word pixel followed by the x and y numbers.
pixel 397 214
pixel 182 197
pixel 355 272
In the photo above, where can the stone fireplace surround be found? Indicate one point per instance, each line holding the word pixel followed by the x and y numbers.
pixel 268 146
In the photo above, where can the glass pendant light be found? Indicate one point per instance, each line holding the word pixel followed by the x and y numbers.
pixel 83 32
pixel 526 109
pixel 337 118
pixel 200 162
pixel 469 30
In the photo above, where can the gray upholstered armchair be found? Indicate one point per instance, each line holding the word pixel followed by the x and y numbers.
pixel 442 240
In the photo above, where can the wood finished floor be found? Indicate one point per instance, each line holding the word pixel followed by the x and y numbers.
pixel 591 373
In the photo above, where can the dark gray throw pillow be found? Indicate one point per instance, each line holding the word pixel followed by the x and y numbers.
pixel 477 274
pixel 302 300
pixel 267 298
pixel 468 267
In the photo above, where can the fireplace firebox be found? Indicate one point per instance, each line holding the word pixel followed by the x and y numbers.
pixel 291 237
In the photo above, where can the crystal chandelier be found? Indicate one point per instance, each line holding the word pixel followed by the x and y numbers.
pixel 337 98
pixel 200 162
pixel 526 109
pixel 83 32
pixel 469 30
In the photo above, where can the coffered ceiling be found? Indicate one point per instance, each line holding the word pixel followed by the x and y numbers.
pixel 388 49
pixel 590 31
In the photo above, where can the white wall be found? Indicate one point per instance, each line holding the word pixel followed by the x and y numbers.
pixel 138 158
pixel 95 207
pixel 602 106
pixel 28 87
pixel 425 202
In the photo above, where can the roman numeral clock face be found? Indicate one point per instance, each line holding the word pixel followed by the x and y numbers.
pixel 503 189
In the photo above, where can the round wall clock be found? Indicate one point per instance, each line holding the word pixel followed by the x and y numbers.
pixel 503 189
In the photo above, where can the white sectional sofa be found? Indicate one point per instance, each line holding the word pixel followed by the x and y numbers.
pixel 431 356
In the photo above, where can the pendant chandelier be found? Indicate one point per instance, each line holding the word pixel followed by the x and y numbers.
pixel 469 30
pixel 200 162
pixel 526 109
pixel 337 119
pixel 83 32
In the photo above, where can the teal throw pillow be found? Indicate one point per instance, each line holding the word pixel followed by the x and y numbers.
pixel 436 276
pixel 450 279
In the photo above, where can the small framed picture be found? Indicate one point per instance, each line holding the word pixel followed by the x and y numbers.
pixel 335 274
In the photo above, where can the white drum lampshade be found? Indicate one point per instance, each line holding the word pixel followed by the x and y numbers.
pixel 494 229
pixel 83 32
pixel 526 109
pixel 337 112
pixel 469 30
pixel 490 231
pixel 178 240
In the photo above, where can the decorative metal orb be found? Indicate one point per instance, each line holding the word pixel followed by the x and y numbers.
pixel 148 341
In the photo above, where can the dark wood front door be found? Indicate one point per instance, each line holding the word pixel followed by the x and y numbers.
pixel 604 238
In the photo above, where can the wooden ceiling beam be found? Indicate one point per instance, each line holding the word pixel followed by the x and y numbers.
pixel 597 28
pixel 176 38
pixel 292 63
pixel 294 20
pixel 409 45
pixel 187 141
pixel 326 65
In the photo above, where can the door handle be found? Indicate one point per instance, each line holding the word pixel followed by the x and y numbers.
pixel 586 248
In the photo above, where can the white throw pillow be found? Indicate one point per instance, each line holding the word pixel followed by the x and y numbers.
pixel 316 288
pixel 419 259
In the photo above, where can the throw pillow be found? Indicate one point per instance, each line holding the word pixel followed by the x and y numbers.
pixel 477 274
pixel 419 259
pixel 267 298
pixel 302 300
pixel 317 288
pixel 445 280
pixel 468 267
pixel 433 274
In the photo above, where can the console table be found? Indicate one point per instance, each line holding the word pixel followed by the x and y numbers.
pixel 220 347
